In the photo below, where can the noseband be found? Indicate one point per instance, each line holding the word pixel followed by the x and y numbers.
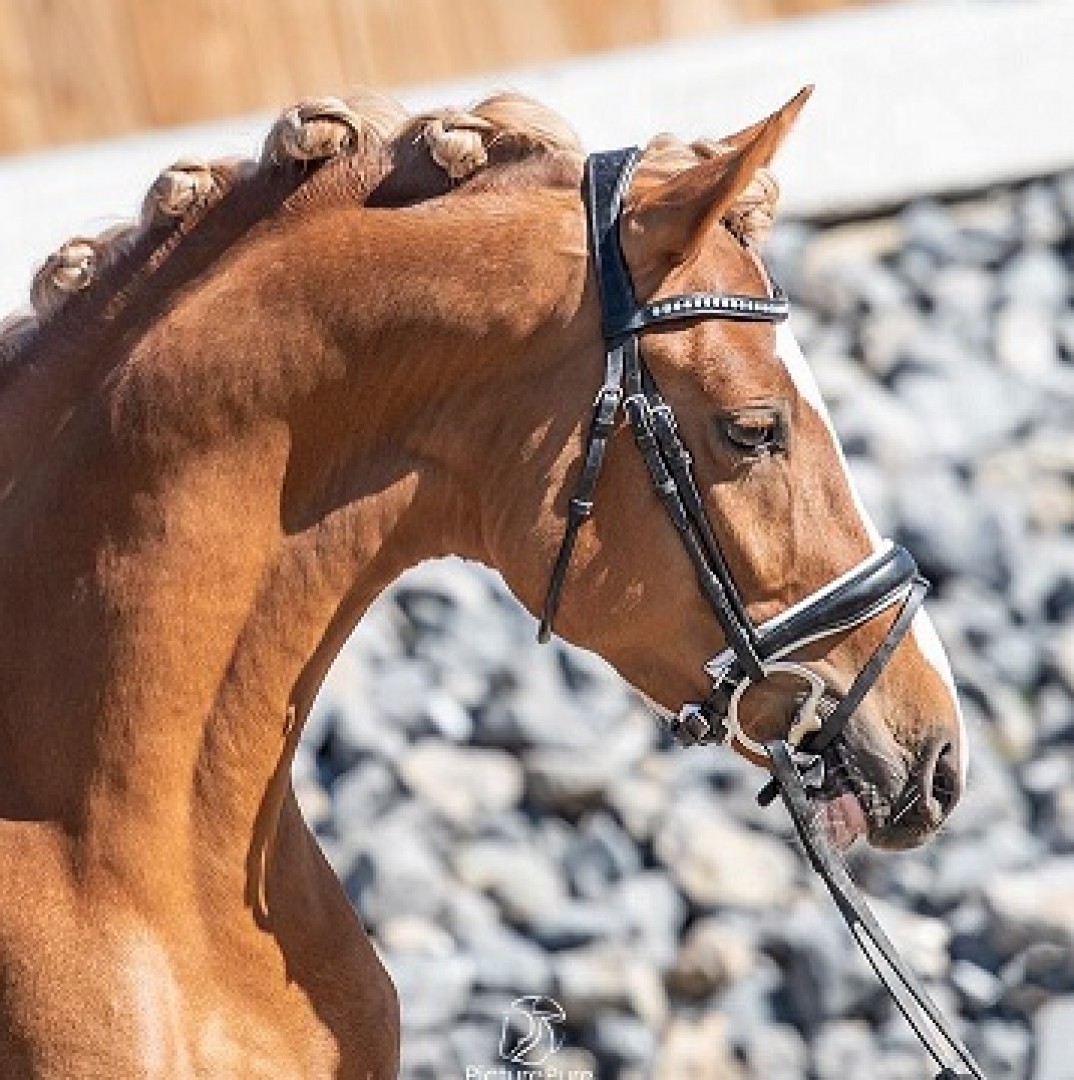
pixel 753 652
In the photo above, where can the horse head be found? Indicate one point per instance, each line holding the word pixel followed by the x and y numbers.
pixel 790 539
pixel 401 348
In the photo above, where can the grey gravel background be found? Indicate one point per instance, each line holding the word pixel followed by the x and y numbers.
pixel 510 821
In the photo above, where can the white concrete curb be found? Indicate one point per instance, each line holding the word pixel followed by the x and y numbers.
pixel 910 98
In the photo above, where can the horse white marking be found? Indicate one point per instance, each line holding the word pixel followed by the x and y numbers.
pixel 928 641
pixel 170 1044
pixel 157 1011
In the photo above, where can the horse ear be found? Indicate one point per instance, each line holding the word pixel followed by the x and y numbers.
pixel 789 112
pixel 664 222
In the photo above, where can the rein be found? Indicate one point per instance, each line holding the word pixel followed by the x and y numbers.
pixel 906 990
pixel 885 579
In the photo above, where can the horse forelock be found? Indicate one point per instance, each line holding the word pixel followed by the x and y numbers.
pixel 753 212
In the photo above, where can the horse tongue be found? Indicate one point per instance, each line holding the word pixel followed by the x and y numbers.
pixel 843 820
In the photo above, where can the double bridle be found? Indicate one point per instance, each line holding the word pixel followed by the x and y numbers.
pixel 753 652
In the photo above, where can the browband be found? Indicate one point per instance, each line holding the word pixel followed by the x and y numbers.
pixel 608 179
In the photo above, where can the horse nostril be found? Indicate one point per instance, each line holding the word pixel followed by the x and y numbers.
pixel 941 782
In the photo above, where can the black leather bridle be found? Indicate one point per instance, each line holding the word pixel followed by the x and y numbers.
pixel 753 652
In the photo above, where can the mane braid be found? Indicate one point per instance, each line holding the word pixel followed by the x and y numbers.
pixel 362 150
pixel 86 285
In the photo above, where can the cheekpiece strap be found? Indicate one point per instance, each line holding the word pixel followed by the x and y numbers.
pixel 607 179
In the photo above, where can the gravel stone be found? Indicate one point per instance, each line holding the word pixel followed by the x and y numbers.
pixel 565 782
pixel 712 956
pixel 623 1042
pixel 777 1053
pixel 844 1049
pixel 719 864
pixel 697 1048
pixel 525 886
pixel 607 977
pixel 1052 1030
pixel 434 993
pixel 1034 904
pixel 463 784
pixel 506 961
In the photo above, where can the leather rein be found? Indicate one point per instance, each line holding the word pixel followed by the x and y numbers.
pixel 885 579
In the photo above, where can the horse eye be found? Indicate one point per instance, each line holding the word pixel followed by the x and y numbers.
pixel 754 433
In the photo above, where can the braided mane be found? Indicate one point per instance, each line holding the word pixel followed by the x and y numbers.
pixel 365 150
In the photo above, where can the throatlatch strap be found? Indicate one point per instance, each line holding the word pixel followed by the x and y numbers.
pixel 580 507
pixel 901 983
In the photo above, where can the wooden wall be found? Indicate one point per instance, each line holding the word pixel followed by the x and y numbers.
pixel 82 69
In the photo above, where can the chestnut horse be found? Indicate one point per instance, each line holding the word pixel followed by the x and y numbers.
pixel 227 428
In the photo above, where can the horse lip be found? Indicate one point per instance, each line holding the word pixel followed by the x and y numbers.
pixel 863 765
pixel 844 819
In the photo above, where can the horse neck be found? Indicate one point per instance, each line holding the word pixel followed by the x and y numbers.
pixel 215 554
